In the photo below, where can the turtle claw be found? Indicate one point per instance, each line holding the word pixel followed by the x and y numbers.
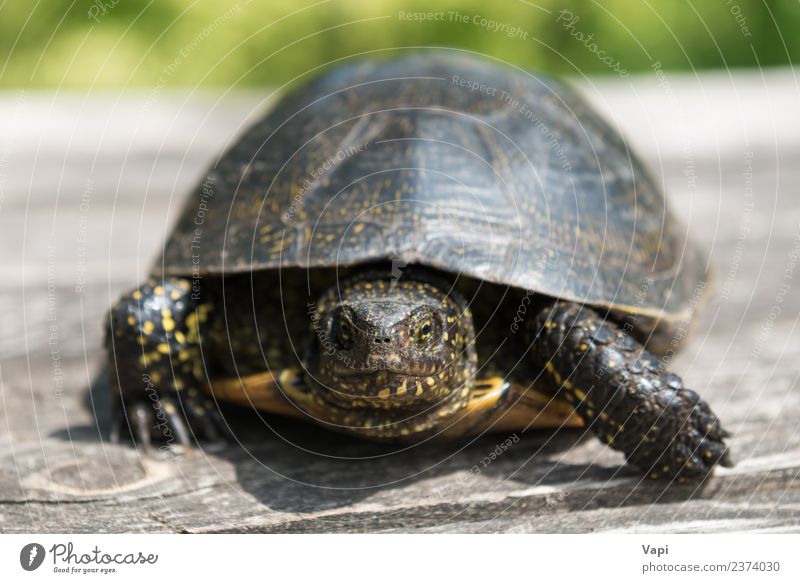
pixel 690 453
pixel 116 429
pixel 196 420
pixel 141 420
pixel 175 423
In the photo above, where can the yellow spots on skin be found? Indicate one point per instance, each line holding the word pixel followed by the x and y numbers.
pixel 581 395
pixel 131 320
pixel 175 295
pixel 137 295
pixel 430 381
pixel 384 394
pixel 168 324
pixel 180 337
pixel 358 228
pixel 584 346
pixel 420 390
pixel 170 408
pixel 143 360
pixel 163 348
pixel 552 370
pixel 155 377
pixel 158 290
pixel 401 390
pixel 148 327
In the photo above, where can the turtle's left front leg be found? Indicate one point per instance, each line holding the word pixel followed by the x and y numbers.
pixel 156 364
pixel 625 396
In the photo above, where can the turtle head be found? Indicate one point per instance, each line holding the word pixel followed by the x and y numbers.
pixel 391 344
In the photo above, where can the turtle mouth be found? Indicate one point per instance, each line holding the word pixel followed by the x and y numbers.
pixel 383 389
pixel 344 371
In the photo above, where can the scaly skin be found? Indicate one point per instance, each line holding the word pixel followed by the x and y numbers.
pixel 156 364
pixel 396 360
pixel 625 396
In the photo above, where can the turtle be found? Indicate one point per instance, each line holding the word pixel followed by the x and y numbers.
pixel 429 245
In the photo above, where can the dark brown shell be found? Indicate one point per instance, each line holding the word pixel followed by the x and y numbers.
pixel 450 161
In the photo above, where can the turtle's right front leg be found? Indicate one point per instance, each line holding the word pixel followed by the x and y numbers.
pixel 625 396
pixel 156 364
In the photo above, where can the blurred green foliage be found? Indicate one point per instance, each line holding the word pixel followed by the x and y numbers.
pixel 117 43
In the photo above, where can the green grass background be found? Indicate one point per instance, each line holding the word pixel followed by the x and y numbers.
pixel 55 43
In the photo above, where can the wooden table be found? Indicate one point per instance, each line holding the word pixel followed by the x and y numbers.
pixel 90 184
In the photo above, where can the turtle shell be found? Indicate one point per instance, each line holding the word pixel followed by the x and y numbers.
pixel 449 161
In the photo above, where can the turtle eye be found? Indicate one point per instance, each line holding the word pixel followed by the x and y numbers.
pixel 424 332
pixel 344 334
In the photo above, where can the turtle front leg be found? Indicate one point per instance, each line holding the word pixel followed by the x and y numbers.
pixel 625 396
pixel 156 365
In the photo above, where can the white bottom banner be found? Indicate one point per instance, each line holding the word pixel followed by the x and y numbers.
pixel 389 558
